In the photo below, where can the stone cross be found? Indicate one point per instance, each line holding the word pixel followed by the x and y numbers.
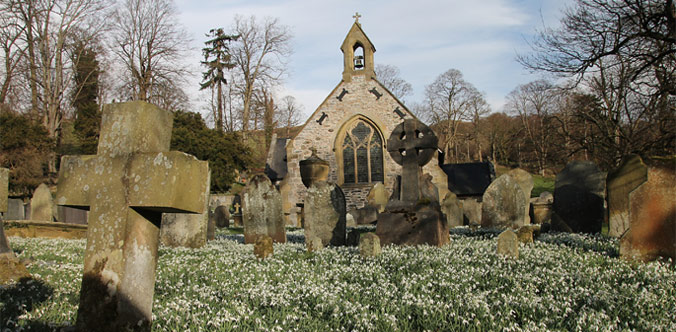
pixel 127 186
pixel 356 17
pixel 412 145
pixel 237 206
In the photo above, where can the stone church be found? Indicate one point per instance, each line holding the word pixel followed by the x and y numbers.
pixel 350 130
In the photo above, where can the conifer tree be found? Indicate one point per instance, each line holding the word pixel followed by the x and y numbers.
pixel 217 58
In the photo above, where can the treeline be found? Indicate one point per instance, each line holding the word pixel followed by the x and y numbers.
pixel 64 59
pixel 616 60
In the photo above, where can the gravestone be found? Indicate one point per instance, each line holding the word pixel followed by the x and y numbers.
pixel 369 245
pixel 237 211
pixel 525 234
pixel 11 269
pixel 263 247
pixel 469 179
pixel 16 210
pixel 413 215
pixel 325 213
pixel 630 175
pixel 541 208
pixel 221 216
pixel 262 211
pixel 313 243
pixel 471 211
pixel 127 186
pixel 504 204
pixel 450 206
pixel 579 195
pixel 508 244
pixel 652 214
pixel 42 204
pixel 525 181
pixel 71 215
pixel 377 197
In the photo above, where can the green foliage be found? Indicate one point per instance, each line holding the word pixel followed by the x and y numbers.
pixel 85 97
pixel 24 149
pixel 224 151
pixel 542 184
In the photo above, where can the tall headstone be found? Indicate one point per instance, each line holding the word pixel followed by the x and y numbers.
pixel 325 213
pixel 525 181
pixel 127 186
pixel 262 211
pixel 652 213
pixel 186 230
pixel 451 208
pixel 413 215
pixel 579 196
pixel 221 216
pixel 42 204
pixel 504 204
pixel 11 269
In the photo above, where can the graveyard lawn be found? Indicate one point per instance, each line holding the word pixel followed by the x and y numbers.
pixel 561 282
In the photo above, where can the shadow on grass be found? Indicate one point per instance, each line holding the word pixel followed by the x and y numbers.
pixel 21 297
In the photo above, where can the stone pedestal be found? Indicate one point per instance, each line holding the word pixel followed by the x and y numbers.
pixel 423 224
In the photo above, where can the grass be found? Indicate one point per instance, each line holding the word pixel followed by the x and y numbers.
pixel 542 184
pixel 562 282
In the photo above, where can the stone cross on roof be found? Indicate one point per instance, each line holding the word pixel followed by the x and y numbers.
pixel 356 17
pixel 127 186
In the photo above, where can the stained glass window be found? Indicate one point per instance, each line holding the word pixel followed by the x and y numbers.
pixel 362 154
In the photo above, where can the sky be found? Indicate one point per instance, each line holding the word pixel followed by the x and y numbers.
pixel 423 38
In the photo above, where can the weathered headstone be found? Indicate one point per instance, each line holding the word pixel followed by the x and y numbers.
pixel 413 215
pixel 313 243
pixel 377 197
pixel 11 269
pixel 504 204
pixel 579 196
pixel 450 206
pixel 132 180
pixel 369 245
pixel 471 211
pixel 541 208
pixel 221 216
pixel 71 216
pixel 325 213
pixel 263 247
pixel 42 204
pixel 186 230
pixel 630 175
pixel 652 214
pixel 262 211
pixel 525 181
pixel 508 244
pixel 16 210
pixel 525 234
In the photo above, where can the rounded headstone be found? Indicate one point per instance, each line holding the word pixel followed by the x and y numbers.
pixel 525 181
pixel 42 204
pixel 504 204
pixel 369 245
pixel 222 216
pixel 263 247
pixel 508 244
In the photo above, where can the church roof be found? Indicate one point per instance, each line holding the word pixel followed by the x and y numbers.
pixel 358 32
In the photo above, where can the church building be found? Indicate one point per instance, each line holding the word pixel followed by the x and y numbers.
pixel 349 130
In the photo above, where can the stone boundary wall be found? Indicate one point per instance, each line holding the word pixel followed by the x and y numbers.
pixel 50 230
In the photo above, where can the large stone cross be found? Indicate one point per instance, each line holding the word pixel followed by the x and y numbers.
pixel 412 145
pixel 127 186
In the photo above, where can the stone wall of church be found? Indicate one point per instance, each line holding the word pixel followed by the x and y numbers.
pixel 358 101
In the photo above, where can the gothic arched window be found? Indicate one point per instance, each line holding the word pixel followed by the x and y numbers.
pixel 362 154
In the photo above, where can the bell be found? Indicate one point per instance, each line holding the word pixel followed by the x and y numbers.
pixel 359 62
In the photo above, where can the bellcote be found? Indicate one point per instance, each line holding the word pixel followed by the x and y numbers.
pixel 357 53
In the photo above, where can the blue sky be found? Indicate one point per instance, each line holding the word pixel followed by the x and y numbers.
pixel 423 38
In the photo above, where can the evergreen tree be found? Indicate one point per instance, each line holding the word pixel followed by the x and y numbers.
pixel 85 97
pixel 217 58
pixel 225 152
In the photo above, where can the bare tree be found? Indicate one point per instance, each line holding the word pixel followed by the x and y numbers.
pixel 478 107
pixel 623 52
pixel 390 77
pixel 13 50
pixel 260 57
pixel 49 30
pixel 535 104
pixel 150 42
pixel 289 114
pixel 447 103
